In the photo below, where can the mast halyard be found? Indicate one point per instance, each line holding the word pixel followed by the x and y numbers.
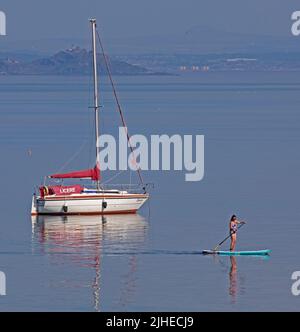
pixel 96 102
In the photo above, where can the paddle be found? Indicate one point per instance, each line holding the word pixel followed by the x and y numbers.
pixel 227 238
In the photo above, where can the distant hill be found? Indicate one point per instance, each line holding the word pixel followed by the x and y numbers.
pixel 73 61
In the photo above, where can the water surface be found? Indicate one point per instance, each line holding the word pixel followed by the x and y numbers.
pixel 151 261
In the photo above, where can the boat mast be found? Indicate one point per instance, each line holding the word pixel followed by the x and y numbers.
pixel 96 103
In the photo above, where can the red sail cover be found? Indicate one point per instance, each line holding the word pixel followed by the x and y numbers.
pixel 93 174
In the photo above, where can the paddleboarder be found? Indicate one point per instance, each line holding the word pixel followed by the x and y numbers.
pixel 233 227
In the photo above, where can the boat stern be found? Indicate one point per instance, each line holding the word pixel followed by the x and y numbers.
pixel 34 211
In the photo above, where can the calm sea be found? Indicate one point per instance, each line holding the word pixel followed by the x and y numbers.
pixel 152 261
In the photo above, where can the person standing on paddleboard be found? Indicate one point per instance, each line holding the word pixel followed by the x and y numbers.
pixel 233 227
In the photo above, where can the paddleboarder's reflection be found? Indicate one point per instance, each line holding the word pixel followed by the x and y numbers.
pixel 233 280
pixel 233 288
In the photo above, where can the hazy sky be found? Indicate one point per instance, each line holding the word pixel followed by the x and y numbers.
pixel 34 19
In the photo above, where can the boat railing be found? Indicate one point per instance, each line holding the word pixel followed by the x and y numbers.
pixel 129 187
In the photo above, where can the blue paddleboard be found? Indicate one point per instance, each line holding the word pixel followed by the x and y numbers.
pixel 237 253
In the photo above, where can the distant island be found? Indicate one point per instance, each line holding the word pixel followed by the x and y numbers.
pixel 78 61
pixel 73 61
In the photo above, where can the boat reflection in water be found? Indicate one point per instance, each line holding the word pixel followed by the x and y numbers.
pixel 83 240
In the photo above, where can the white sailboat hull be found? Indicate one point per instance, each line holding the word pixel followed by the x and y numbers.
pixel 86 204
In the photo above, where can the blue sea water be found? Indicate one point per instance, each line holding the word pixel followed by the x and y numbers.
pixel 152 261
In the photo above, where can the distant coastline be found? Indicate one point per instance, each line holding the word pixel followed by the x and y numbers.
pixel 77 61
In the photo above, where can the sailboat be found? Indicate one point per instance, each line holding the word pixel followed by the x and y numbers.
pixel 80 200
